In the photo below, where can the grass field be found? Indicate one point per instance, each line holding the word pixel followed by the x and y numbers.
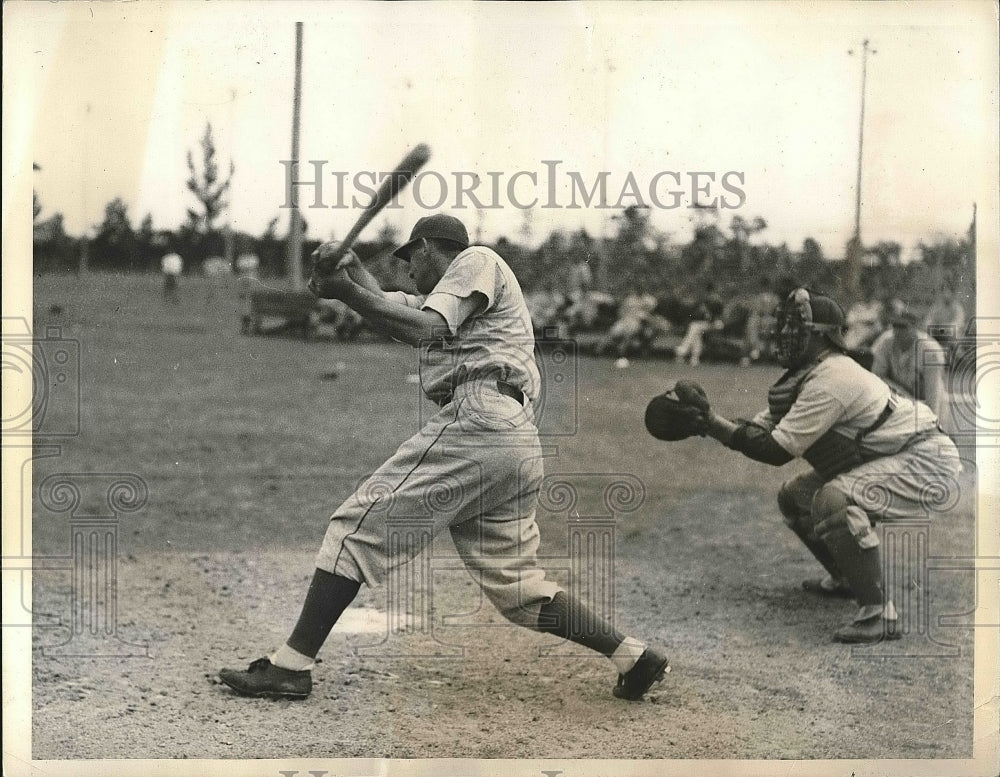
pixel 247 444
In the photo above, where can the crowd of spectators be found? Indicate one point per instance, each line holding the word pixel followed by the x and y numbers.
pixel 903 344
pixel 700 326
pixel 688 326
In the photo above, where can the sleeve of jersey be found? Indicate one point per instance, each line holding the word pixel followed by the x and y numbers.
pixel 455 296
pixel 402 298
pixel 815 411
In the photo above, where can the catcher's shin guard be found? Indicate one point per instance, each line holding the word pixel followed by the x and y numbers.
pixel 860 567
pixel 799 524
pixel 819 549
pixel 852 543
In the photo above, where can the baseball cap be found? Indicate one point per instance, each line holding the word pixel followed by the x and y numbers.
pixel 823 313
pixel 440 226
pixel 827 312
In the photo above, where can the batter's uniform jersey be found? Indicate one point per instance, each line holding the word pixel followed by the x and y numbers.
pixel 910 466
pixel 475 468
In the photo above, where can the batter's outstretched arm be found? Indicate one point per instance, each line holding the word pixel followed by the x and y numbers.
pixel 750 439
pixel 408 325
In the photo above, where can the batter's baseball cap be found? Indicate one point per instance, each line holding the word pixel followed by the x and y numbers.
pixel 440 226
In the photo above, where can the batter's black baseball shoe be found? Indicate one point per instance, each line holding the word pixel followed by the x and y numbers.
pixel 649 669
pixel 264 679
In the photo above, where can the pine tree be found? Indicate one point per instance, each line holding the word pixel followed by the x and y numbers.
pixel 206 186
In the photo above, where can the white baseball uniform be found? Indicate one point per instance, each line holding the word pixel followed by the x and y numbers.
pixel 475 467
pixel 912 463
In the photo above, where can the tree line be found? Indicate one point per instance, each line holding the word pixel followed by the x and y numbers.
pixel 733 258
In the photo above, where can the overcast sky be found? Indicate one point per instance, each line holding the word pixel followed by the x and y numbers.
pixel 110 97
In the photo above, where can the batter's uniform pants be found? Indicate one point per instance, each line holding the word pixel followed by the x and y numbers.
pixel 475 469
pixel 921 479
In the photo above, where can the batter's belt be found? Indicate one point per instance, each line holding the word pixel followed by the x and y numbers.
pixel 505 388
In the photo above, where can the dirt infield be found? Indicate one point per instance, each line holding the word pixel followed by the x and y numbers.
pixel 245 445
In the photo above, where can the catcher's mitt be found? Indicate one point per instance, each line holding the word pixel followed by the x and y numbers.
pixel 670 418
pixel 691 393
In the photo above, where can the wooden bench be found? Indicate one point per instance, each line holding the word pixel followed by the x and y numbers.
pixel 294 310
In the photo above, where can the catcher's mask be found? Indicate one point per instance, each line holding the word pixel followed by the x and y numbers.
pixel 802 315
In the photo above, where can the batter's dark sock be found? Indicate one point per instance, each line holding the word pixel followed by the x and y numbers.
pixel 327 598
pixel 571 619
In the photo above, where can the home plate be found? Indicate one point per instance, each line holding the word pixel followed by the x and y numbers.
pixel 367 620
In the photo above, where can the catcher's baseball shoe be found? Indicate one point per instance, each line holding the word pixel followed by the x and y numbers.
pixel 874 629
pixel 649 669
pixel 828 586
pixel 264 679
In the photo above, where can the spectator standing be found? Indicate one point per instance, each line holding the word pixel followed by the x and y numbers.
pixel 864 323
pixel 945 319
pixel 910 361
pixel 760 322
pixel 171 265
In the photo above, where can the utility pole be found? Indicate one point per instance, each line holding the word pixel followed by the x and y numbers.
pixel 854 246
pixel 295 230
pixel 84 267
pixel 227 230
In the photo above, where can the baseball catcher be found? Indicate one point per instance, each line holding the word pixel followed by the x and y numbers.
pixel 875 456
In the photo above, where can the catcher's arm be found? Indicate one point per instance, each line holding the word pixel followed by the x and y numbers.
pixel 752 440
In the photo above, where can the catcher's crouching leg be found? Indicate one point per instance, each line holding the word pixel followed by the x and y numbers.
pixel 847 532
pixel 795 502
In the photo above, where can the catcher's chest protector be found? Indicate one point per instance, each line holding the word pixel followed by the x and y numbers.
pixel 782 395
pixel 833 452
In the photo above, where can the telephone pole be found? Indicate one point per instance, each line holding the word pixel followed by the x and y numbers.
pixel 854 246
pixel 295 230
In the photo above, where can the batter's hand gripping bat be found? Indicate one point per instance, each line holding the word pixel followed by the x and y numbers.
pixel 393 184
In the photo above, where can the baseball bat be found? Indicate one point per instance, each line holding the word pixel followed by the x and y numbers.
pixel 393 184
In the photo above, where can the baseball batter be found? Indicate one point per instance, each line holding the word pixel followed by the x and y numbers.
pixel 475 467
pixel 875 455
